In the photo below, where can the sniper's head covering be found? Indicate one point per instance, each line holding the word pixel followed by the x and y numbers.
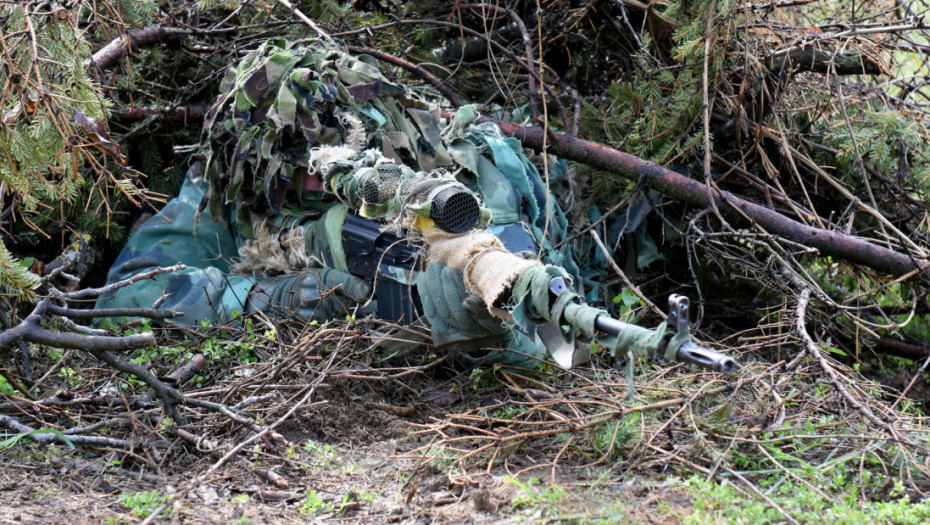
pixel 287 111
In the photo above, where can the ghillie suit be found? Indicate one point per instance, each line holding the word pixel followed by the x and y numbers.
pixel 290 121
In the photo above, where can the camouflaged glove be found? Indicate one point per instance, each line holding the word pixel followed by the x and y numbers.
pixel 323 241
pixel 458 321
pixel 318 294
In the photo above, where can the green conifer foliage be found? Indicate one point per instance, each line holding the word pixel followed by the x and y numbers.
pixel 60 171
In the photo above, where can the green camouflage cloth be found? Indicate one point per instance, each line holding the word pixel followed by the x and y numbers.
pixel 205 291
pixel 262 151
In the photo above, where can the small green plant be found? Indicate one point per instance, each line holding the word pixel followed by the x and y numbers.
pixel 367 496
pixel 6 387
pixel 72 376
pixel 475 377
pixel 532 495
pixel 608 438
pixel 12 440
pixel 144 503
pixel 509 411
pixel 224 346
pixel 321 454
pixel 313 505
pixel 630 300
pixel 713 503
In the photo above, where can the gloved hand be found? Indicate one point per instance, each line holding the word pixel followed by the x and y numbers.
pixel 458 321
pixel 323 240
pixel 320 294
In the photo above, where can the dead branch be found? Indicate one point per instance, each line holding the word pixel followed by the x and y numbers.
pixel 199 480
pixel 170 114
pixel 837 381
pixel 305 19
pixel 47 438
pixel 824 62
pixel 690 191
pixel 110 54
pixel 30 330
pixel 527 47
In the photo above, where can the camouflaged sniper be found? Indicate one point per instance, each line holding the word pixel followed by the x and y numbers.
pixel 285 148
pixel 286 117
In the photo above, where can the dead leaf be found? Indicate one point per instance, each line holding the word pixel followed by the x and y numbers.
pixel 97 131
pixel 30 106
pixel 440 396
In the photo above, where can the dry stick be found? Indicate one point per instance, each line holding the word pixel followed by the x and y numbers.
pixel 708 182
pixel 170 397
pixel 88 293
pixel 910 385
pixel 305 19
pixel 527 45
pixel 510 54
pixel 633 288
pixel 30 330
pixel 792 474
pixel 759 493
pixel 815 40
pixel 168 113
pixel 46 438
pixel 545 145
pixel 811 346
pixel 497 439
pixel 859 162
pixel 201 479
pixel 918 251
pixel 109 55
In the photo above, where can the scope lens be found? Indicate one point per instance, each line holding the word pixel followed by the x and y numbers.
pixel 455 210
pixel 371 191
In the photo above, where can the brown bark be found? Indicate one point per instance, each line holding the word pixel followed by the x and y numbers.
pixel 110 54
pixel 820 61
pixel 832 243
pixel 173 113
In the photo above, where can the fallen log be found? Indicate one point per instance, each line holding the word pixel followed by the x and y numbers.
pixel 681 188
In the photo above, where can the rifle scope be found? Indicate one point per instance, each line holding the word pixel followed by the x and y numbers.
pixel 454 208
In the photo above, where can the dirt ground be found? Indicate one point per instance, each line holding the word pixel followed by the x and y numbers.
pixel 321 430
pixel 360 462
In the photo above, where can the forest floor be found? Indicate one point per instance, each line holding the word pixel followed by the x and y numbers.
pixel 353 467
pixel 322 429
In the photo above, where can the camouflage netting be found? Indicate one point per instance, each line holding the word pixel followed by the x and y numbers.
pixel 287 113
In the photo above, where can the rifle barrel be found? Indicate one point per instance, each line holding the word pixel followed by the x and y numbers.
pixel 688 353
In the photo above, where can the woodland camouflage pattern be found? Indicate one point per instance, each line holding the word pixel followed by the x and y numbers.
pixel 256 165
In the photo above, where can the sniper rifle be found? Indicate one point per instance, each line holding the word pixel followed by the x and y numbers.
pixel 446 213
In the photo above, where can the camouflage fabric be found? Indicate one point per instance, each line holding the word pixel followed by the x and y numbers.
pixel 290 121
pixel 283 102
pixel 205 291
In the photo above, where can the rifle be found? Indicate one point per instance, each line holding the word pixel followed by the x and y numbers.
pixel 447 214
